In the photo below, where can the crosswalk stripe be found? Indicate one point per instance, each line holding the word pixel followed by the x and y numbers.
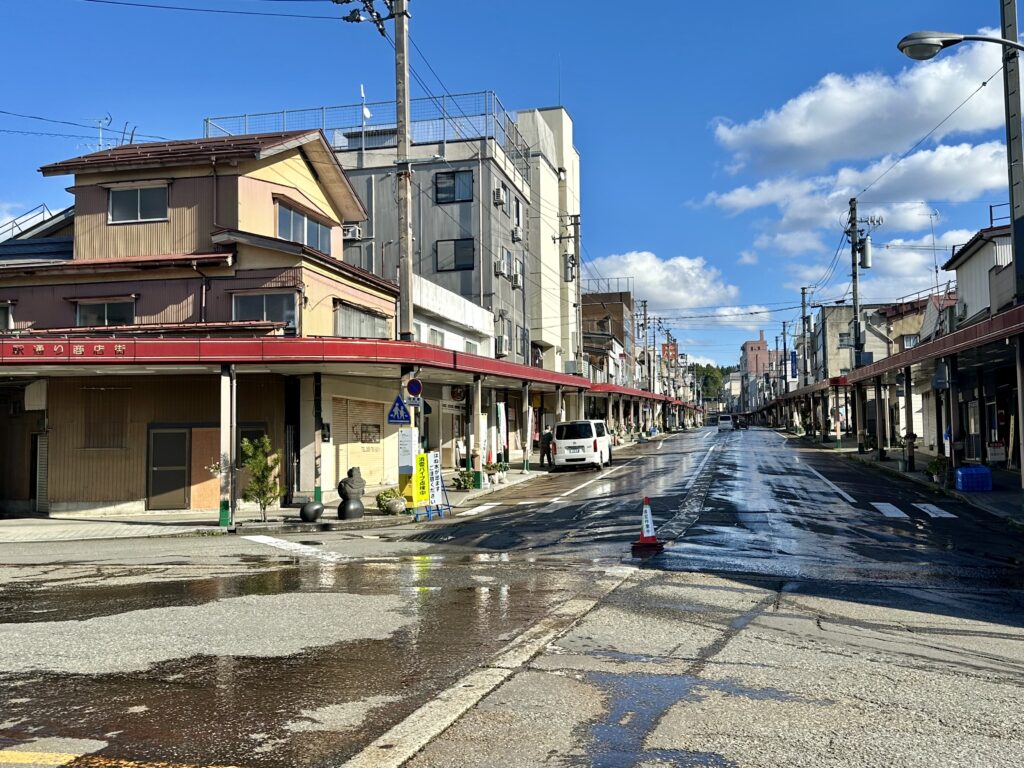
pixel 932 511
pixel 887 509
pixel 477 510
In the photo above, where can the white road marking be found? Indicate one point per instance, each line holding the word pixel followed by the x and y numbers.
pixel 602 476
pixel 693 477
pixel 478 510
pixel 300 549
pixel 706 435
pixel 887 509
pixel 526 503
pixel 403 741
pixel 932 511
pixel 661 445
pixel 832 485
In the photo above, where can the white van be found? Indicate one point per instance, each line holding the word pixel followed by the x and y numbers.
pixel 724 422
pixel 581 442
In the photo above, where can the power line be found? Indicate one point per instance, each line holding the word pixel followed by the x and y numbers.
pixel 924 138
pixel 212 10
pixel 70 122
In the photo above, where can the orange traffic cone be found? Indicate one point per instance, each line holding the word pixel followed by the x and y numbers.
pixel 648 543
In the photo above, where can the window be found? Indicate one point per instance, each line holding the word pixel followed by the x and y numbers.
pixel 472 347
pixel 269 307
pixel 417 331
pixel 300 228
pixel 455 255
pixel 6 318
pixel 506 257
pixel 139 204
pixel 517 219
pixel 508 330
pixel 436 337
pixel 507 207
pixel 574 430
pixel 600 429
pixel 521 339
pixel 95 313
pixel 354 323
pixel 910 340
pixel 453 187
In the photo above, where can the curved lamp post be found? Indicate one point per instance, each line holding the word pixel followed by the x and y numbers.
pixel 922 46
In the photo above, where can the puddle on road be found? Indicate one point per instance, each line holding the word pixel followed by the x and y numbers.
pixel 636 703
pixel 309 708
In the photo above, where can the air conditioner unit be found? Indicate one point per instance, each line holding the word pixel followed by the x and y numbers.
pixel 499 196
pixel 352 232
pixel 517 234
pixel 501 346
pixel 517 280
pixel 499 268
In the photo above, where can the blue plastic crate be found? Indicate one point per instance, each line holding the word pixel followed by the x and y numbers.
pixel 973 478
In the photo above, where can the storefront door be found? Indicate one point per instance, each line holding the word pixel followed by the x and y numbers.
pixel 168 469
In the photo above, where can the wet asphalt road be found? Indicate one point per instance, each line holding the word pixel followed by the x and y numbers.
pixel 806 611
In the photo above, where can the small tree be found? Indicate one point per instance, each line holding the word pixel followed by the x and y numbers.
pixel 262 462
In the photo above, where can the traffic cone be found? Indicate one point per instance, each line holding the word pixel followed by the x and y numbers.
pixel 648 543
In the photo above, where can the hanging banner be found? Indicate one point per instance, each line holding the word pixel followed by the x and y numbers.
pixel 502 426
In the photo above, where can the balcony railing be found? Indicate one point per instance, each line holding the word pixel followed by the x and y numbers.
pixel 433 120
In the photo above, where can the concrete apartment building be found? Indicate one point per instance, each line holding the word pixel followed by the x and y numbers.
pixel 494 194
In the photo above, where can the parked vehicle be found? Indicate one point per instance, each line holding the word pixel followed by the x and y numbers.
pixel 740 422
pixel 724 422
pixel 581 442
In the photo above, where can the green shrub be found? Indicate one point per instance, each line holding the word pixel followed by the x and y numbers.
pixel 388 494
pixel 262 462
pixel 464 479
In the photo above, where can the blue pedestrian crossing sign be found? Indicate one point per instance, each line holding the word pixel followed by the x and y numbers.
pixel 399 414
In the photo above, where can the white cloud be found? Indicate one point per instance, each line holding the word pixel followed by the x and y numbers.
pixel 862 116
pixel 747 258
pixel 669 283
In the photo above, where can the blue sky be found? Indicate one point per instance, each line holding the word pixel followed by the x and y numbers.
pixel 720 142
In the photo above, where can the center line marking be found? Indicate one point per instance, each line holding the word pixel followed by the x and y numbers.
pixel 831 485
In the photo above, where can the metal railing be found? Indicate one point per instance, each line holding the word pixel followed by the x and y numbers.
pixel 17 225
pixel 373 125
pixel 607 285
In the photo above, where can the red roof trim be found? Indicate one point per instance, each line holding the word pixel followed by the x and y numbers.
pixel 1001 326
pixel 615 389
pixel 125 351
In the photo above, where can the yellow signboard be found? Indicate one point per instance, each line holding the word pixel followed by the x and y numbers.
pixel 421 481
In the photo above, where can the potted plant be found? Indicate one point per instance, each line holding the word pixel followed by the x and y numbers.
pixel 491 470
pixel 262 462
pixel 464 479
pixel 937 468
pixel 503 468
pixel 390 501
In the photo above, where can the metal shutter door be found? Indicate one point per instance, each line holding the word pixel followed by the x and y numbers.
pixel 366 425
pixel 42 469
pixel 341 436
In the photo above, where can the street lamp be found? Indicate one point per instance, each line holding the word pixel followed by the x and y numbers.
pixel 922 46
pixel 926 45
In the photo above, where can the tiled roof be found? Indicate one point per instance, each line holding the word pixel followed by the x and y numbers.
pixel 185 152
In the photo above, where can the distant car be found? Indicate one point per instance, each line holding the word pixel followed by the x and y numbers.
pixel 739 423
pixel 581 442
pixel 724 422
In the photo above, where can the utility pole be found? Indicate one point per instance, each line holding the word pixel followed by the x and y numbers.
pixel 803 337
pixel 647 357
pixel 399 11
pixel 854 234
pixel 575 221
pixel 785 359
